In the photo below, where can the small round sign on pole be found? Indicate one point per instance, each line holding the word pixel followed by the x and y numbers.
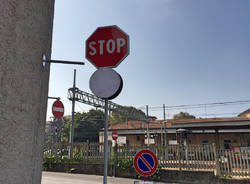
pixel 58 109
pixel 145 163
pixel 106 83
pixel 114 136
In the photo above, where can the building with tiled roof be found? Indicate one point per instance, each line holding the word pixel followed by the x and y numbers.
pixel 222 131
pixel 245 114
pixel 133 125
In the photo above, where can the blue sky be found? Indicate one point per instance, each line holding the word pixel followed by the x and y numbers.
pixel 181 52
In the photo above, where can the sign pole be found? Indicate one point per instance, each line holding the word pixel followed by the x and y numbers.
pixel 106 83
pixel 106 143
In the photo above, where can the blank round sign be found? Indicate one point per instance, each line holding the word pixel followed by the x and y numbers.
pixel 106 83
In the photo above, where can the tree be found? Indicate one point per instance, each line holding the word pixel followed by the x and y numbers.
pixel 183 115
pixel 118 118
pixel 86 127
pixel 89 126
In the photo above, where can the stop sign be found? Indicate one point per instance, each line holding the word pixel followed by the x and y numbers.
pixel 107 46
pixel 58 109
pixel 114 136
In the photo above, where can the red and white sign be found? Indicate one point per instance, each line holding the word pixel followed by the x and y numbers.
pixel 145 163
pixel 114 136
pixel 58 109
pixel 107 46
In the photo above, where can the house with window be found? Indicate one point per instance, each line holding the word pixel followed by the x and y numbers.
pixel 224 132
pixel 245 114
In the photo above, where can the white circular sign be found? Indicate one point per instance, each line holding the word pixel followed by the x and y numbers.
pixel 106 83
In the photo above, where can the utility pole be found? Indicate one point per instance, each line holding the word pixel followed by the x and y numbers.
pixel 165 130
pixel 147 125
pixel 73 119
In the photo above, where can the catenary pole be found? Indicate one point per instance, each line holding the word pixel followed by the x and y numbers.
pixel 165 129
pixel 73 119
pixel 147 119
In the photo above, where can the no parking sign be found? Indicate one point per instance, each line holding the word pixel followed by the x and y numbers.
pixel 145 163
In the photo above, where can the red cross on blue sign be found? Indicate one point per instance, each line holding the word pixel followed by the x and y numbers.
pixel 145 163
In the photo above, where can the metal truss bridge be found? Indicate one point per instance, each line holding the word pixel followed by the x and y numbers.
pixel 89 99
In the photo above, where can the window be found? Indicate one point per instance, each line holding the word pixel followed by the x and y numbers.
pixel 127 142
pixel 204 142
pixel 138 138
pixel 227 144
pixel 248 142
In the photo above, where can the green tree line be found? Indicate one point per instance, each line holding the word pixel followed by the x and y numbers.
pixel 88 124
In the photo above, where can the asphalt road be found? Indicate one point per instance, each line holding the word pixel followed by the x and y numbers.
pixel 65 178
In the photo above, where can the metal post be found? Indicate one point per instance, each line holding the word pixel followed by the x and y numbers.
pixel 126 122
pixel 73 119
pixel 63 62
pixel 106 143
pixel 53 131
pixel 147 125
pixel 162 143
pixel 115 157
pixel 57 98
pixel 187 158
pixel 217 163
pixel 165 130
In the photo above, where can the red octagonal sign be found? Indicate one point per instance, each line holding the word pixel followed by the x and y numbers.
pixel 107 46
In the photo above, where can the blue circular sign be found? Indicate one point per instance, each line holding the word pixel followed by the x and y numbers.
pixel 145 163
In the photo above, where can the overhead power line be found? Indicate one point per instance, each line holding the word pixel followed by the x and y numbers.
pixel 206 105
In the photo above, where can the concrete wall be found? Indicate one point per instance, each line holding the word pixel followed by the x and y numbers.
pixel 25 33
